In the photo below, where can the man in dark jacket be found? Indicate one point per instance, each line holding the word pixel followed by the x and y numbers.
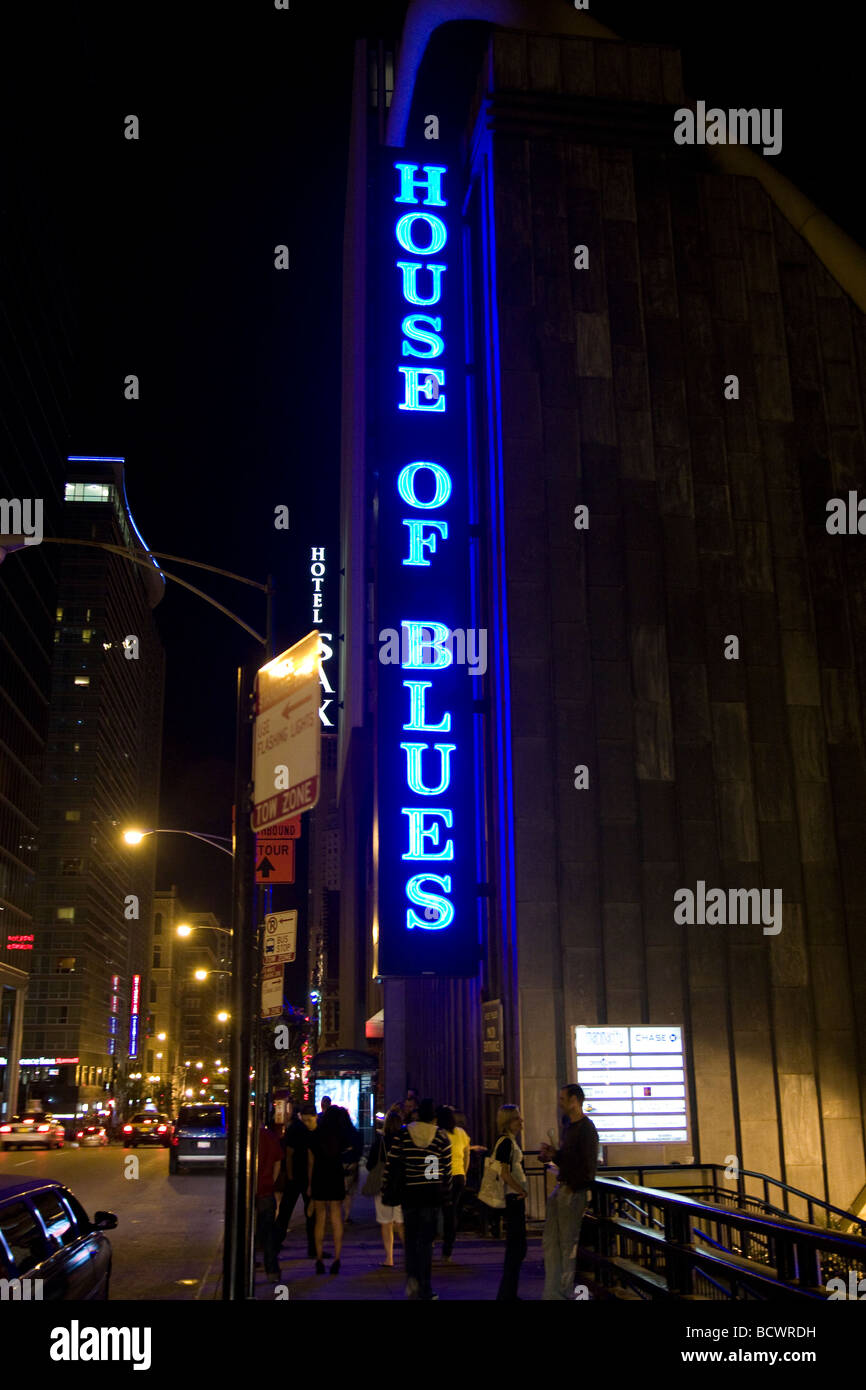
pixel 295 1144
pixel 418 1178
pixel 576 1160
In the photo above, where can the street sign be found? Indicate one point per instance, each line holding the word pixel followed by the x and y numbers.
pixel 272 991
pixel 280 938
pixel 287 739
pixel 275 853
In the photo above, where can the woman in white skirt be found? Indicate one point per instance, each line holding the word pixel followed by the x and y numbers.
pixel 389 1218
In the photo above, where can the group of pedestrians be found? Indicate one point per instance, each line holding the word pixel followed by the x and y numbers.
pixel 416 1172
pixel 317 1160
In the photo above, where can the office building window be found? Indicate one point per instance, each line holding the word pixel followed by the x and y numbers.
pixel 87 492
pixel 157 957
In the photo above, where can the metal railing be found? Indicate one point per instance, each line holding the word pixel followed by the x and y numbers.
pixel 661 1243
pixel 721 1188
pixel 706 1240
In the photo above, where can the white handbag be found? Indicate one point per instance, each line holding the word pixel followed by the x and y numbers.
pixel 492 1189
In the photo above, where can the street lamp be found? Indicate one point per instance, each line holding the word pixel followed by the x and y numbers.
pixel 184 929
pixel 134 837
pixel 203 974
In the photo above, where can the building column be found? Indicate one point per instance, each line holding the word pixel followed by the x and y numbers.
pixel 17 980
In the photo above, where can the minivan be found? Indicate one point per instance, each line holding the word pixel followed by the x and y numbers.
pixel 199 1138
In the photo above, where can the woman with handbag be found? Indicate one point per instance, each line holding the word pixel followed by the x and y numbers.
pixel 388 1218
pixel 508 1158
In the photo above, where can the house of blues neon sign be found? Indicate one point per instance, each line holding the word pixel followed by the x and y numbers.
pixel 427 879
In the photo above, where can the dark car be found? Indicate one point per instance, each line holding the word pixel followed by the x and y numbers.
pixel 199 1137
pixel 147 1128
pixel 50 1250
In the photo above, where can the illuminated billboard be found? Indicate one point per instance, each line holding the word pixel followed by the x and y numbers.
pixel 425 797
pixel 634 1081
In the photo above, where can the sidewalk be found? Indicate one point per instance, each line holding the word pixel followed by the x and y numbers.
pixel 473 1275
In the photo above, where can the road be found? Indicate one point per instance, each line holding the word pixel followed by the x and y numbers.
pixel 168 1241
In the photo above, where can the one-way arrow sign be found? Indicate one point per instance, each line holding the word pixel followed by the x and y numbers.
pixel 265 869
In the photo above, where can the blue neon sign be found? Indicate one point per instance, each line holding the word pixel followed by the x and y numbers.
pixel 427 892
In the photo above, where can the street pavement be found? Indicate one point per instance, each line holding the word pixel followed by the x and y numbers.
pixel 168 1240
pixel 474 1274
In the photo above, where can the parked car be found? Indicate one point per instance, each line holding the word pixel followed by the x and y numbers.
pixel 31 1130
pixel 147 1128
pixel 49 1243
pixel 91 1137
pixel 199 1137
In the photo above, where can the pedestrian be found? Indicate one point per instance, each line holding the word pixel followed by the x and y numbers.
pixel 327 1186
pixel 351 1156
pixel 410 1107
pixel 326 1105
pixel 509 1155
pixel 295 1144
pixel 268 1170
pixel 389 1218
pixel 460 1144
pixel 418 1179
pixel 576 1159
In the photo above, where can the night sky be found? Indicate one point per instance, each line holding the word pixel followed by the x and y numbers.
pixel 168 243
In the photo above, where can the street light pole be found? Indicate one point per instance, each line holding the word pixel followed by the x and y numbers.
pixel 240 1150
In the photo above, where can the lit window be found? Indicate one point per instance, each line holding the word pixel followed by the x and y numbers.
pixel 87 492
pixel 86 634
pixel 72 815
pixel 66 914
pixel 82 680
pixel 59 615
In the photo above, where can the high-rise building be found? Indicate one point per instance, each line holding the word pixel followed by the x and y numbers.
pixel 88 985
pixel 600 391
pixel 36 336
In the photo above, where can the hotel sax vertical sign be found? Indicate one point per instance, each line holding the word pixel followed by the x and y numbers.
pixel 427 893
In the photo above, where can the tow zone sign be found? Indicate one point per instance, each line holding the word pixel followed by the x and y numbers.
pixel 287 738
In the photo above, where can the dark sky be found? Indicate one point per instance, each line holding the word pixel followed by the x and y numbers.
pixel 169 243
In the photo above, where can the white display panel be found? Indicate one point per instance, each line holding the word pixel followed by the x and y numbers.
pixel 345 1091
pixel 634 1083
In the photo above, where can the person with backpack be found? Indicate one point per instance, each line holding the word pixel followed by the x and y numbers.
pixel 418 1179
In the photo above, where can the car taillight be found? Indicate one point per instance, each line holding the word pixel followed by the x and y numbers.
pixel 160 1129
pixel 127 1129
pixel 80 1134
pixel 42 1129
pixel 174 1139
pixel 5 1129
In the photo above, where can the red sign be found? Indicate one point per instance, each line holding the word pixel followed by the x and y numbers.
pixel 20 942
pixel 275 853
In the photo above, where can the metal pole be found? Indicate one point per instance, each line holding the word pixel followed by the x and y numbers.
pixel 238 1176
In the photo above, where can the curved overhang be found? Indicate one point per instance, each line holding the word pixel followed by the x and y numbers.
pixel 154 579
pixel 839 253
pixel 424 17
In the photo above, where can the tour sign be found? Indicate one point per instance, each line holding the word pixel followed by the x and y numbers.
pixel 287 739
pixel 275 853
